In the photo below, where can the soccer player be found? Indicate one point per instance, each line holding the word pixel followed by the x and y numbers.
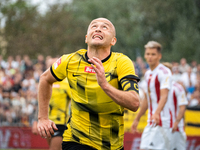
pixel 58 110
pixel 178 102
pixel 156 134
pixel 102 83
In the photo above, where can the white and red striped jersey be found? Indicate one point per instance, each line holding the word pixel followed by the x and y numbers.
pixel 159 78
pixel 177 97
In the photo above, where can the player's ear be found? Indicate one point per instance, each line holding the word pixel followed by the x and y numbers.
pixel 160 55
pixel 114 40
pixel 85 38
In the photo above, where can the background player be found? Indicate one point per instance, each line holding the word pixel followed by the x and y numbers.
pixel 102 84
pixel 156 134
pixel 178 102
pixel 58 110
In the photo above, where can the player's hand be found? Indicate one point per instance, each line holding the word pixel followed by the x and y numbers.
pixel 46 127
pixel 99 69
pixel 134 126
pixel 34 128
pixel 155 119
pixel 175 126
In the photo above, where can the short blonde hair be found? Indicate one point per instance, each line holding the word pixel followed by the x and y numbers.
pixel 154 44
pixel 168 65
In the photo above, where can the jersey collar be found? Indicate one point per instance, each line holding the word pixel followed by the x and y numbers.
pixel 104 60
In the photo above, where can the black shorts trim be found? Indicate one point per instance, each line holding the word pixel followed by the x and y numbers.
pixel 77 146
pixel 60 131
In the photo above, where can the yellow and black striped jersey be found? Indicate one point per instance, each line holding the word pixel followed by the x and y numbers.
pixel 96 119
pixel 59 102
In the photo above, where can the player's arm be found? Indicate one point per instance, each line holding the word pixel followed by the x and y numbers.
pixel 45 126
pixel 127 99
pixel 179 117
pixel 143 108
pixel 161 104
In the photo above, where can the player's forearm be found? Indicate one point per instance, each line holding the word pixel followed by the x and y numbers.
pixel 162 101
pixel 44 95
pixel 161 104
pixel 180 113
pixel 143 109
pixel 129 100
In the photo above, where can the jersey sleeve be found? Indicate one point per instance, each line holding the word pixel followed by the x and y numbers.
pixel 165 80
pixel 59 68
pixel 125 69
pixel 181 98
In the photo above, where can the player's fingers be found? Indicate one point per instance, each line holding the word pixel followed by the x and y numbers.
pixel 48 131
pixel 51 131
pixel 54 126
pixel 42 132
pixel 173 130
pixel 97 60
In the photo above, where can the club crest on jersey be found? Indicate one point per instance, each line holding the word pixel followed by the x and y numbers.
pixel 57 63
pixel 89 69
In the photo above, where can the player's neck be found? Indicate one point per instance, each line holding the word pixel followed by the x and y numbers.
pixel 153 66
pixel 100 53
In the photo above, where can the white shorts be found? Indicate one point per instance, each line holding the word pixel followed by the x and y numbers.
pixel 155 138
pixel 178 141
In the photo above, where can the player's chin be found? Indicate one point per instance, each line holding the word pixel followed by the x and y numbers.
pixel 97 44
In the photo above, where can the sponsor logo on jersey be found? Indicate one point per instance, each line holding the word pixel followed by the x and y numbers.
pixel 57 63
pixel 56 85
pixel 89 69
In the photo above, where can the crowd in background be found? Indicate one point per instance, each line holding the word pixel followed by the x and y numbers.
pixel 19 77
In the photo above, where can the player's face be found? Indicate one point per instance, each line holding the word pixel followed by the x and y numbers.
pixel 101 33
pixel 152 56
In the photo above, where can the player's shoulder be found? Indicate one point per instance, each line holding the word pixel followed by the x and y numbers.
pixel 120 57
pixel 177 86
pixel 72 55
pixel 163 70
pixel 81 51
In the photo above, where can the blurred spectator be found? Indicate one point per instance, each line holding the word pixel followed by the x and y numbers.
pixel 29 82
pixel 176 75
pixel 183 65
pixel 140 67
pixel 7 86
pixel 2 62
pixel 194 66
pixel 198 69
pixel 195 99
pixel 189 80
pixel 19 63
pixel 40 64
pixel 17 79
pixel 37 72
pixel 2 76
pixel 27 64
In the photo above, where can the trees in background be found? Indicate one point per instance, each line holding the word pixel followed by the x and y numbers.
pixel 176 25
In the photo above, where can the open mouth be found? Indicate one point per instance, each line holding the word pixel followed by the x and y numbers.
pixel 97 37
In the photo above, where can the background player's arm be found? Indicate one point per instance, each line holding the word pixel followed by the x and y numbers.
pixel 44 94
pixel 161 104
pixel 179 117
pixel 143 108
pixel 127 99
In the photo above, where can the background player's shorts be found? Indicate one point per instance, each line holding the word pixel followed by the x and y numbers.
pixel 155 138
pixel 60 131
pixel 178 141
